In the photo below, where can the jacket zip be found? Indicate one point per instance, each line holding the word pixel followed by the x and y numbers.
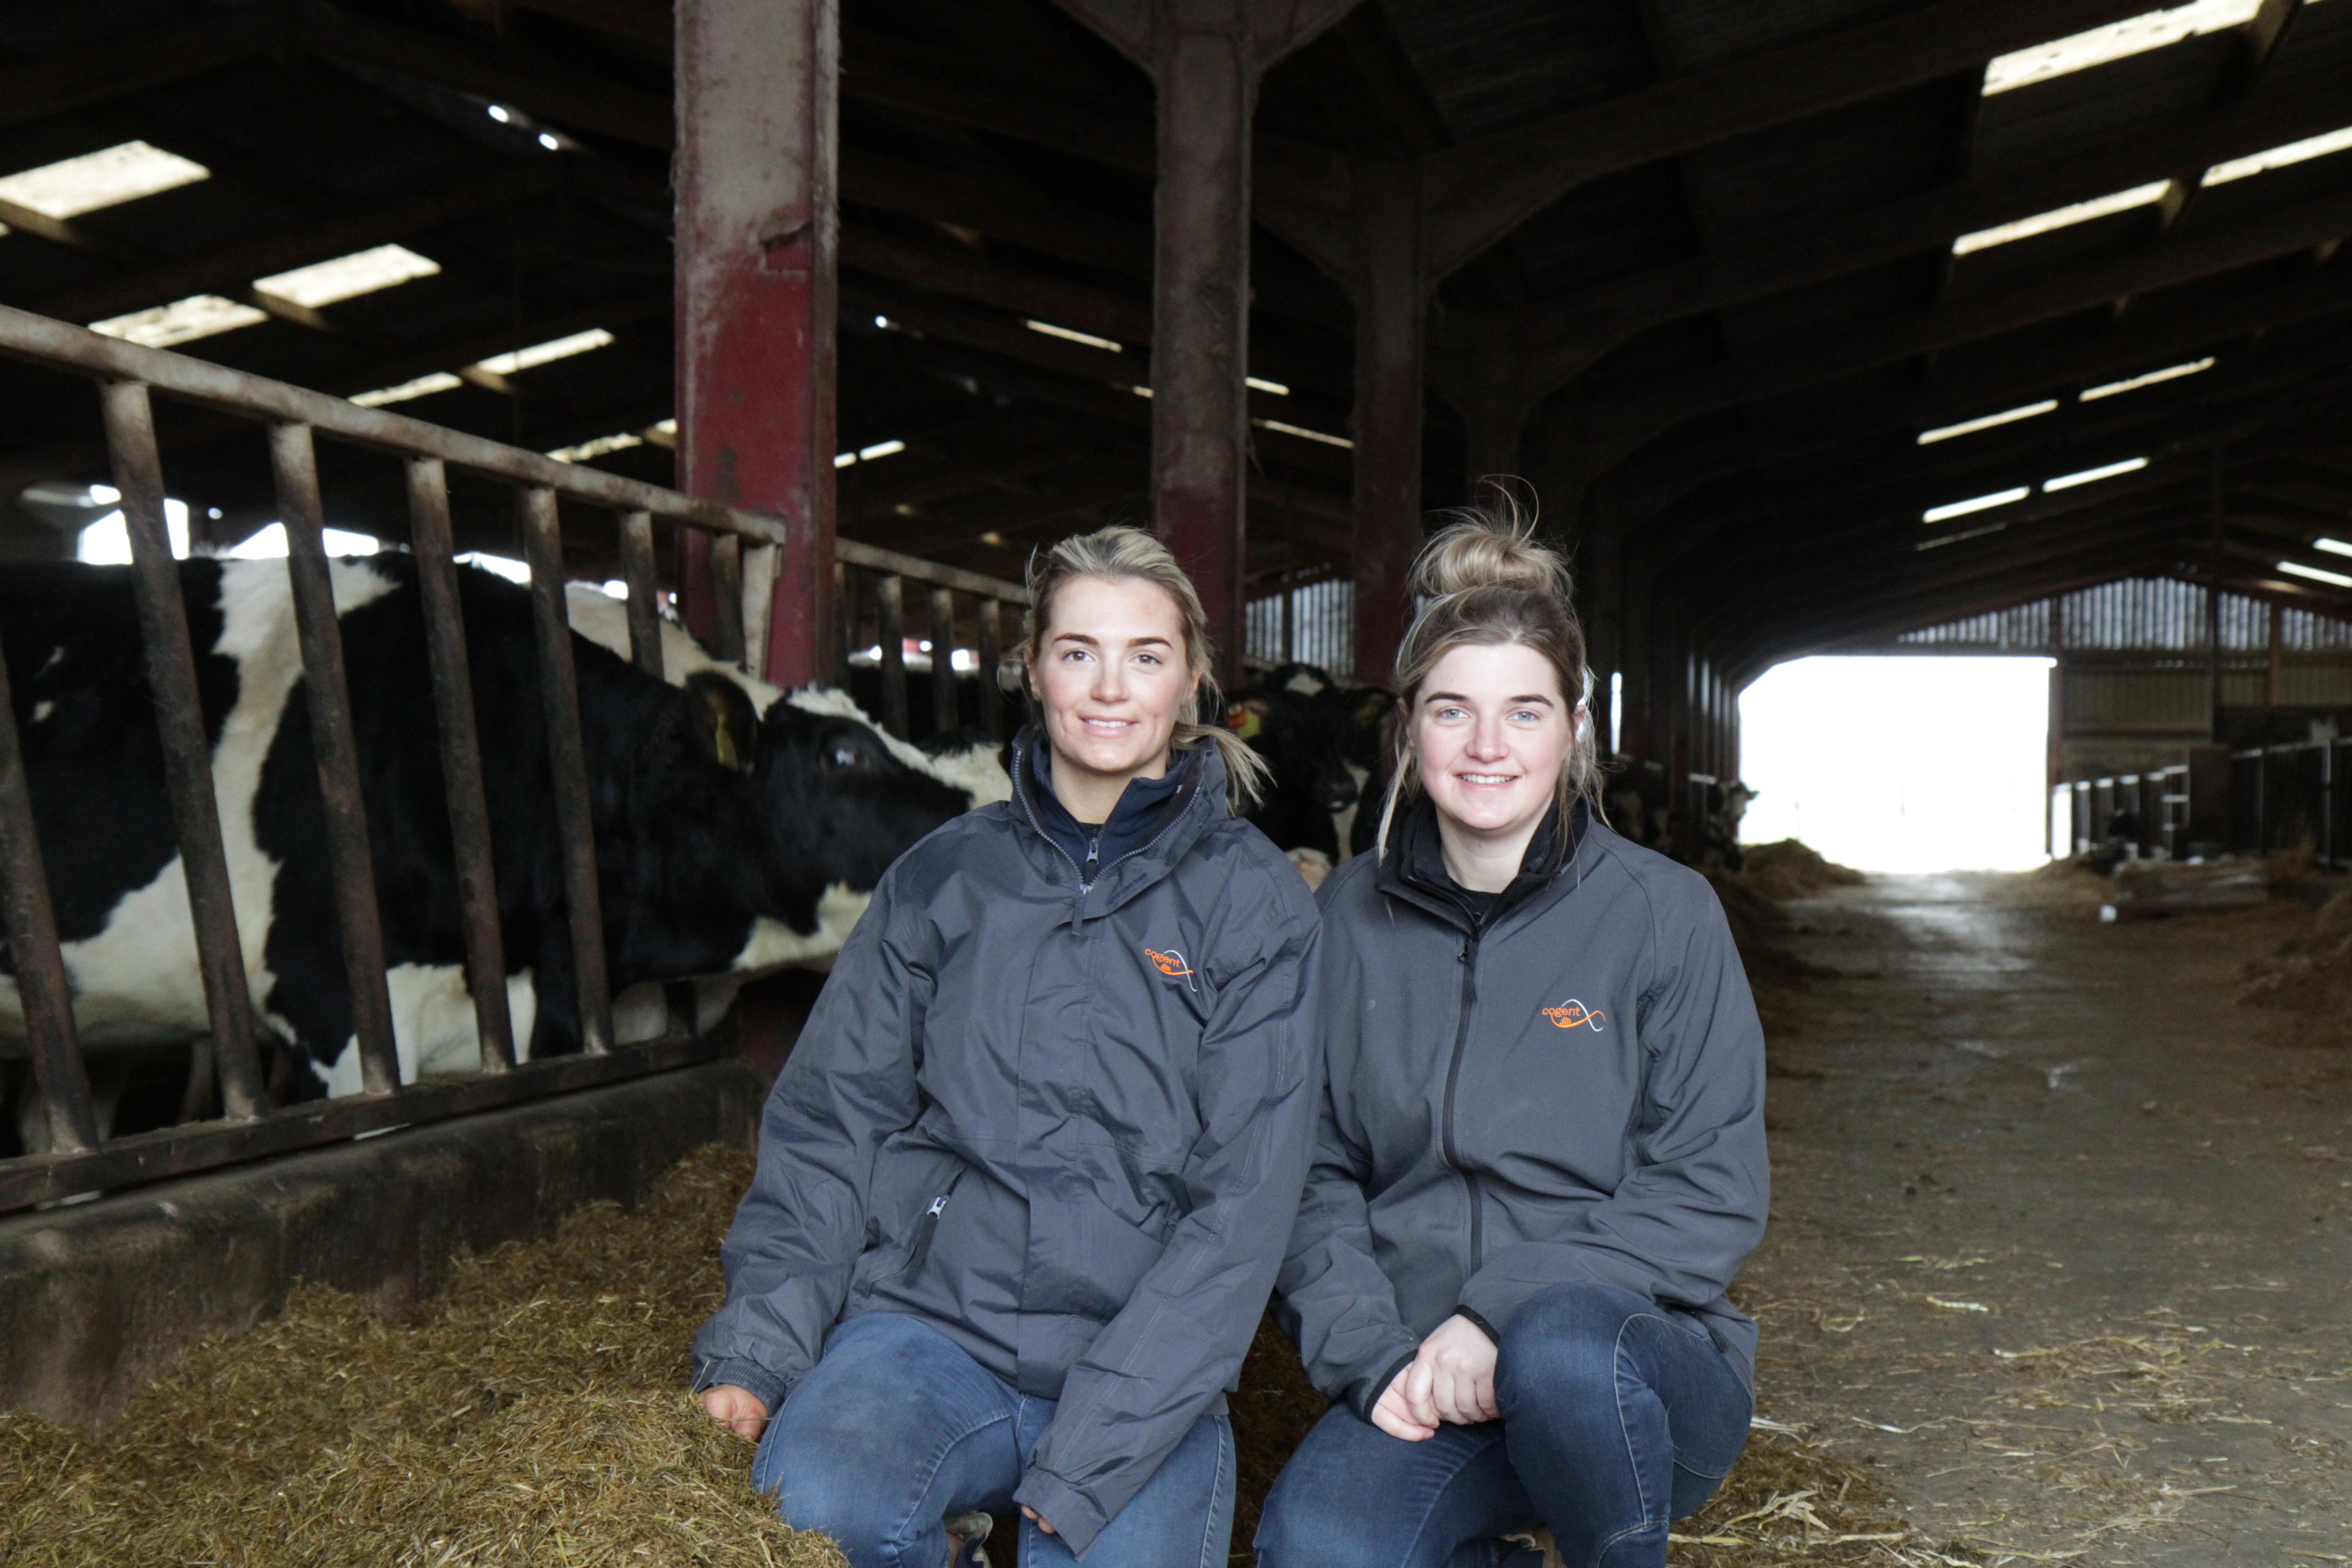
pixel 1093 844
pixel 930 1225
pixel 1469 956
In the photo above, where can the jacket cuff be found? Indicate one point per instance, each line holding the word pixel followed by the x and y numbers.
pixel 1073 1514
pixel 1471 1316
pixel 1367 1394
pixel 767 1386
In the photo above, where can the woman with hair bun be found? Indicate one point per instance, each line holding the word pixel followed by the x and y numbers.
pixel 1540 1159
pixel 1024 1183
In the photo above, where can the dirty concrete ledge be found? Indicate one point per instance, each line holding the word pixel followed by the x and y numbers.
pixel 95 1298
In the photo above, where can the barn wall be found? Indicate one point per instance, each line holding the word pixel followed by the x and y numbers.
pixel 101 1297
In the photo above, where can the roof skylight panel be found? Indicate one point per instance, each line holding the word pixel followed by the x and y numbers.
pixel 2133 383
pixel 103 179
pixel 182 322
pixel 423 387
pixel 348 277
pixel 1986 422
pixel 2332 579
pixel 2279 157
pixel 1975 503
pixel 2132 35
pixel 2062 217
pixel 546 352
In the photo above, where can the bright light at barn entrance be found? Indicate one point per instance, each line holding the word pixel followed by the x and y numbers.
pixel 1900 764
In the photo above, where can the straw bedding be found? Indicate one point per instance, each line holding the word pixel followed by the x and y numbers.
pixel 533 1413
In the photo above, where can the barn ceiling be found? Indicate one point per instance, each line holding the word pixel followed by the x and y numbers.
pixel 1819 293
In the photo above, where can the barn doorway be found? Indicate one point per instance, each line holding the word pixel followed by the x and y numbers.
pixel 1901 763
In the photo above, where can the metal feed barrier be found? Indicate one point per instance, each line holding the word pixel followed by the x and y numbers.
pixel 293 418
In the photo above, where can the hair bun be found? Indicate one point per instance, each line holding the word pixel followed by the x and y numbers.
pixel 1479 550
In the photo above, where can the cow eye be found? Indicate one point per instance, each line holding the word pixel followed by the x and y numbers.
pixel 844 756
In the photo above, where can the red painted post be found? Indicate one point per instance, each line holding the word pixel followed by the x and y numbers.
pixel 1391 296
pixel 1206 57
pixel 758 233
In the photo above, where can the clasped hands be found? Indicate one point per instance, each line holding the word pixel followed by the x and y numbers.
pixel 1452 1378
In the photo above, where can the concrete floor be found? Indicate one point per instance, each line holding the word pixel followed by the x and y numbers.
pixel 2060 1233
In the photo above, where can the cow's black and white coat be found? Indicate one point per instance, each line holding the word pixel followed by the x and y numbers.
pixel 738 828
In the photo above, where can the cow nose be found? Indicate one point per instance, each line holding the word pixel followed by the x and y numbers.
pixel 1340 793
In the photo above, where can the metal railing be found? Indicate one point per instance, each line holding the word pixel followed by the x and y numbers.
pixel 294 418
pixel 2293 798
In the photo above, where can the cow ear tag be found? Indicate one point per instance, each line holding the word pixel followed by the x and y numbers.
pixel 727 708
pixel 1243 720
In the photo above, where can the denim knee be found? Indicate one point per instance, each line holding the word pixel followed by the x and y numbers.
pixel 1563 1342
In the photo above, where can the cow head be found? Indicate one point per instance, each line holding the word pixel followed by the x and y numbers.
pixel 833 804
pixel 1287 730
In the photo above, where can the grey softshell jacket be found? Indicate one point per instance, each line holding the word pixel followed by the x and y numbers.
pixel 1065 1127
pixel 1574 1092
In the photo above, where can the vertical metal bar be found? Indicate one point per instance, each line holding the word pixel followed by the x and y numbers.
pixel 945 715
pixel 334 746
pixel 1289 638
pixel 845 624
pixel 461 761
pixel 188 756
pixel 726 596
pixel 567 756
pixel 991 653
pixel 644 607
pixel 31 928
pixel 889 611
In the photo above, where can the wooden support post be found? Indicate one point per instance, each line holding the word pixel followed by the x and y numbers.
pixel 758 232
pixel 1206 57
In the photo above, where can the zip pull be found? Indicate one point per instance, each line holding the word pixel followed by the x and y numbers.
pixel 1094 860
pixel 925 1230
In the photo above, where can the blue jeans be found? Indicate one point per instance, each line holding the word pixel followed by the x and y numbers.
pixel 1616 1418
pixel 897 1429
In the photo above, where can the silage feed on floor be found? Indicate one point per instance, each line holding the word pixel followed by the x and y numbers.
pixel 533 1413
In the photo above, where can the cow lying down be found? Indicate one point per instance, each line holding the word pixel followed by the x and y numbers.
pixel 737 828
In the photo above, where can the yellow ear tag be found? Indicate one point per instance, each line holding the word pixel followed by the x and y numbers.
pixel 1243 720
pixel 726 741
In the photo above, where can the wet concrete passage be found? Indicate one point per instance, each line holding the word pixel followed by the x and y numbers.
pixel 2062 1235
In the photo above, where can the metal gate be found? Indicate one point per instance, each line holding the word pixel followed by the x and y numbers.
pixel 294 418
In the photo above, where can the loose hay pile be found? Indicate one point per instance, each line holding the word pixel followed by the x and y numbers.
pixel 2310 979
pixel 1790 869
pixel 533 1413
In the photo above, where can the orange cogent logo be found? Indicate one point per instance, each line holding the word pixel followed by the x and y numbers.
pixel 1573 1013
pixel 1166 963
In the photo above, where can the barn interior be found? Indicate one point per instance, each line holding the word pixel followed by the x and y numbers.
pixel 1938 327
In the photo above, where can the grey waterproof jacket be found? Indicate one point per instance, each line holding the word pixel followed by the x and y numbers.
pixel 1064 1126
pixel 1573 1090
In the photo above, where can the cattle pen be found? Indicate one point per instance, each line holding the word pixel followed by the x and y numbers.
pixel 127 375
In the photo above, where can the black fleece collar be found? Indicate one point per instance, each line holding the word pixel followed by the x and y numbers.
pixel 1415 865
pixel 1145 808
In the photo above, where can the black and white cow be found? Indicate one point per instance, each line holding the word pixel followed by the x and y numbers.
pixel 737 828
pixel 1309 781
pixel 1354 723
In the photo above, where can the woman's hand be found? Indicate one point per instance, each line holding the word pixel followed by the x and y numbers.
pixel 738 1410
pixel 1451 1379
pixel 1037 1519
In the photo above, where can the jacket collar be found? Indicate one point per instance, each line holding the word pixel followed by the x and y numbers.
pixel 1413 867
pixel 1198 800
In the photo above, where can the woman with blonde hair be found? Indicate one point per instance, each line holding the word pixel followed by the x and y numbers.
pixel 1025 1183
pixel 1541 1152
